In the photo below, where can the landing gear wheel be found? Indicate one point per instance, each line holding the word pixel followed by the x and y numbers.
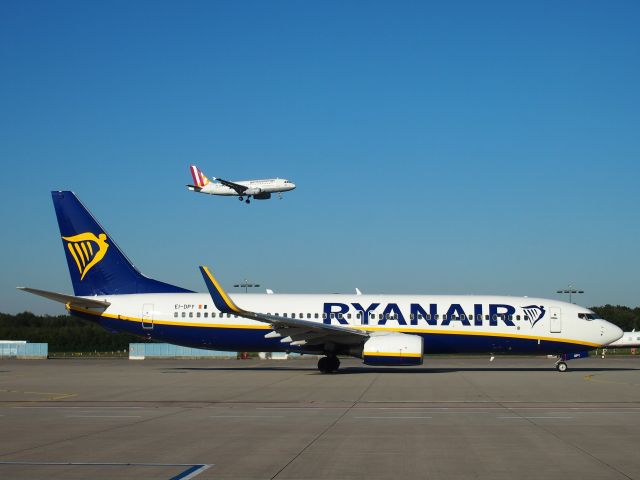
pixel 240 198
pixel 328 364
pixel 247 201
pixel 334 364
pixel 561 367
pixel 323 365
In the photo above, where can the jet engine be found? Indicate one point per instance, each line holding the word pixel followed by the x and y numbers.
pixel 393 349
pixel 262 196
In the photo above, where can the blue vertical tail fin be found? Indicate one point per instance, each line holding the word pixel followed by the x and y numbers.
pixel 96 265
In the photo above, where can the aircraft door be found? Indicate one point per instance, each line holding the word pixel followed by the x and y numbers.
pixel 555 320
pixel 147 316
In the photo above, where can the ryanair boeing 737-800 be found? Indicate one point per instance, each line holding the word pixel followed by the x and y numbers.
pixel 245 189
pixel 379 329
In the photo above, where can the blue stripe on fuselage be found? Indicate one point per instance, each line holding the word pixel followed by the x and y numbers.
pixel 252 340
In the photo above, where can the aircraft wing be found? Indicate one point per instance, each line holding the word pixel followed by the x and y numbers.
pixel 67 299
pixel 237 187
pixel 292 330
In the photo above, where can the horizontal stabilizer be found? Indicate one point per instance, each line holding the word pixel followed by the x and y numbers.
pixel 67 299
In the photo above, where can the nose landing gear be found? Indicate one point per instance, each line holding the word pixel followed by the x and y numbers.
pixel 561 364
pixel 561 367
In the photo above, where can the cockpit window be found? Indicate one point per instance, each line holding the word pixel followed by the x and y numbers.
pixel 588 316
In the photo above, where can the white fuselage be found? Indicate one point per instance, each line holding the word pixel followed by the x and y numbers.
pixel 628 339
pixel 447 323
pixel 268 185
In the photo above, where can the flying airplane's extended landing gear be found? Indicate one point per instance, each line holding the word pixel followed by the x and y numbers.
pixel 328 364
pixel 247 201
pixel 561 367
pixel 240 198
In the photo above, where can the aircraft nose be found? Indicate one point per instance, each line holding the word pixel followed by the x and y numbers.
pixel 293 185
pixel 611 332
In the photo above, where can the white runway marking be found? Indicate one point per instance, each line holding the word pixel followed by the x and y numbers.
pixel 103 416
pixel 76 407
pixel 246 416
pixel 394 418
pixel 533 418
pixel 290 408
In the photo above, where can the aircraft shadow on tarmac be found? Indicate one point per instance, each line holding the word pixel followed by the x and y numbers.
pixel 424 370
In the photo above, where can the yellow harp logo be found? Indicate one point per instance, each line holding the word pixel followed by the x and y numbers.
pixel 87 250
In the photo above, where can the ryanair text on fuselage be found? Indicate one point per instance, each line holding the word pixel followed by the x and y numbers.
pixel 492 313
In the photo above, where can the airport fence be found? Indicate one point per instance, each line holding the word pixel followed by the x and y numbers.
pixel 24 350
pixel 95 354
pixel 140 351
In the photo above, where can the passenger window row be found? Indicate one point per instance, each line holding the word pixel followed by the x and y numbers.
pixel 372 316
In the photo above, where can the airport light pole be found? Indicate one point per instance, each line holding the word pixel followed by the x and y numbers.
pixel 570 290
pixel 246 285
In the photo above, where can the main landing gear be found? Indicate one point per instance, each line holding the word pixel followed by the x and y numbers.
pixel 245 201
pixel 561 367
pixel 329 364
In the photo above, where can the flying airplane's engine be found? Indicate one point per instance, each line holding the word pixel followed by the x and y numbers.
pixel 262 196
pixel 392 349
pixel 252 191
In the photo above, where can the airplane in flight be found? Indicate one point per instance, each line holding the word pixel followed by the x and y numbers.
pixel 379 329
pixel 244 190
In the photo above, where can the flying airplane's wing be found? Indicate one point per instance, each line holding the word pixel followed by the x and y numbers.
pixel 67 299
pixel 292 330
pixel 238 188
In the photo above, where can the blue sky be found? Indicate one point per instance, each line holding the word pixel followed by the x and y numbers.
pixel 438 147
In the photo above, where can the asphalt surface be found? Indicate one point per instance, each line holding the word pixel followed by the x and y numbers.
pixel 233 419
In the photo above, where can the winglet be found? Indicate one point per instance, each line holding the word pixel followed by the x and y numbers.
pixel 218 295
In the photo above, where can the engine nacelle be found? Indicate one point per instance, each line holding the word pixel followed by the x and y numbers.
pixel 252 191
pixel 263 196
pixel 393 349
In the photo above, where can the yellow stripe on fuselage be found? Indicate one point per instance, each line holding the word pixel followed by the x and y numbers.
pixel 481 334
pixel 125 318
pixel 359 327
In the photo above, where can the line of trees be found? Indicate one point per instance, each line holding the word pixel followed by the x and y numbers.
pixel 64 333
pixel 626 318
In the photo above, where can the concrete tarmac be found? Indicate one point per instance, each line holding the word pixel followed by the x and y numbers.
pixel 453 418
